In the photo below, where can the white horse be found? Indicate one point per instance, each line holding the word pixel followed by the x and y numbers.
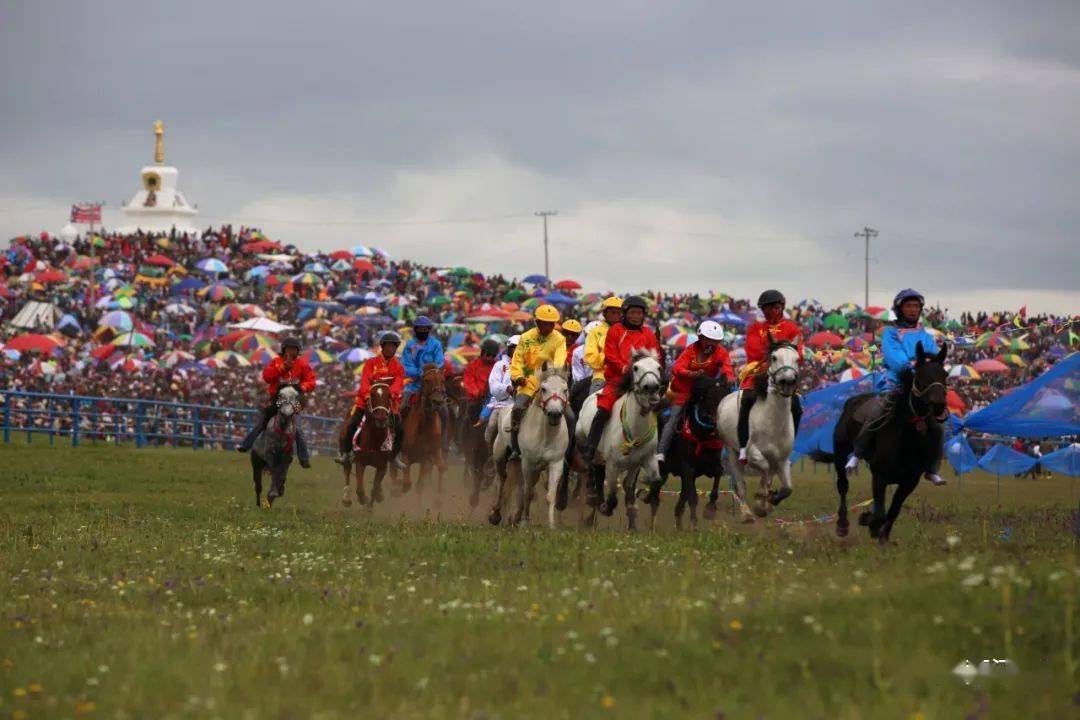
pixel 628 444
pixel 772 433
pixel 543 439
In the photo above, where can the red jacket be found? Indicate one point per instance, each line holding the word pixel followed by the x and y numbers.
pixel 621 341
pixel 300 372
pixel 475 380
pixel 379 369
pixel 717 363
pixel 758 337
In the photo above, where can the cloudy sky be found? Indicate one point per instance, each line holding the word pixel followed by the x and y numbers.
pixel 685 145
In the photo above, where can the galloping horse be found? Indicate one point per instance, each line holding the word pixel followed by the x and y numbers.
pixel 474 450
pixel 772 432
pixel 903 448
pixel 696 451
pixel 628 444
pixel 543 438
pixel 423 427
pixel 372 446
pixel 272 452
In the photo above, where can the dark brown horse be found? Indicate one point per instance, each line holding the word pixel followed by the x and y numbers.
pixel 371 445
pixel 423 429
pixel 903 448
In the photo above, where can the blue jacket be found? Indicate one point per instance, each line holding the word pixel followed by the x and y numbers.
pixel 898 351
pixel 416 355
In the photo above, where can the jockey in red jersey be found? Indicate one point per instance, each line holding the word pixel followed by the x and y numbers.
pixel 477 372
pixel 383 368
pixel 706 356
pixel 622 339
pixel 759 336
pixel 288 368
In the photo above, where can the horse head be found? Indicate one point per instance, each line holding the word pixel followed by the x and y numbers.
pixel 928 385
pixel 553 394
pixel 784 367
pixel 434 385
pixel 645 380
pixel 288 400
pixel 378 404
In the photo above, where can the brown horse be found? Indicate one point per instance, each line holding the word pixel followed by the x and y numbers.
pixel 423 428
pixel 371 446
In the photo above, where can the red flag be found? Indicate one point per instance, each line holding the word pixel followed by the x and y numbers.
pixel 86 213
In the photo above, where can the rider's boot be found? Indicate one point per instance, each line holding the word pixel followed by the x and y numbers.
pixel 516 415
pixel 861 446
pixel 345 447
pixel 260 425
pixel 399 435
pixel 596 431
pixel 667 435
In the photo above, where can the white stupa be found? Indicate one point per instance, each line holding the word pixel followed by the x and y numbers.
pixel 159 206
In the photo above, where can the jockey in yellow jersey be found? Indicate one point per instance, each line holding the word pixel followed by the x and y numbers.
pixel 594 341
pixel 542 344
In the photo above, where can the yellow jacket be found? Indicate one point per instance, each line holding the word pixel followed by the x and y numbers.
pixel 594 349
pixel 533 350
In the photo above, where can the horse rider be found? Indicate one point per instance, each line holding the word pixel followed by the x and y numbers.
pixel 571 331
pixel 612 313
pixel 536 346
pixel 288 367
pixel 755 374
pixel 477 373
pixel 421 349
pixel 622 339
pixel 500 387
pixel 384 368
pixel 704 357
pixel 580 370
pixel 898 348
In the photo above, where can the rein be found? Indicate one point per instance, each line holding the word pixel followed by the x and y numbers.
pixel 920 418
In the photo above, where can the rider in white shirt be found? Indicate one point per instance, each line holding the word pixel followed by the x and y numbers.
pixel 501 388
pixel 578 367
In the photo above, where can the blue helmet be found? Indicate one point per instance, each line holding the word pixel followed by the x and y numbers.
pixel 423 322
pixel 905 295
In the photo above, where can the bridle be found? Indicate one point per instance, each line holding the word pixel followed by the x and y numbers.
pixel 431 398
pixel 916 392
pixel 773 372
pixel 645 393
pixel 372 407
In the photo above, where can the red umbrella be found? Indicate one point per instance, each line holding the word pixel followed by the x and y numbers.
pixel 955 403
pixel 568 285
pixel 33 341
pixel 51 276
pixel 261 246
pixel 341 255
pixel 822 339
pixel 159 260
pixel 363 265
pixel 101 352
pixel 990 366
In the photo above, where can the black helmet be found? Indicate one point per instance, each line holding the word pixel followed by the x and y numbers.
pixel 905 295
pixel 291 342
pixel 769 297
pixel 389 337
pixel 635 301
pixel 489 347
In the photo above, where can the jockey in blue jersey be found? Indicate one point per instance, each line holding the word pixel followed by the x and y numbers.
pixel 423 348
pixel 898 346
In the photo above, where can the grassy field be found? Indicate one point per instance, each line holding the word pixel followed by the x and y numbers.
pixel 144 583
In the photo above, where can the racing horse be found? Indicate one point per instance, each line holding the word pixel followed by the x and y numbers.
pixel 423 428
pixel 772 432
pixel 697 450
pixel 628 445
pixel 903 448
pixel 272 452
pixel 372 446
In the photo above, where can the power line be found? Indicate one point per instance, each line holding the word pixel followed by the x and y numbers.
pixel 866 234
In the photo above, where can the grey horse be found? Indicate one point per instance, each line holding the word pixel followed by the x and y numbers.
pixel 272 452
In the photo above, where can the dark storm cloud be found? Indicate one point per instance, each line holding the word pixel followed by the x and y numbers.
pixel 740 145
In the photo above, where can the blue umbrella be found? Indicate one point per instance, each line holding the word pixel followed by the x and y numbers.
pixel 187 284
pixel 212 265
pixel 557 298
pixel 727 317
pixel 316 267
pixel 535 280
pixel 361 251
pixel 351 298
pixel 259 271
pixel 355 355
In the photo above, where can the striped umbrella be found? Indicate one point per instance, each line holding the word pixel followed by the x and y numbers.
pixel 964 372
pixel 307 278
pixel 216 292
pixel 231 358
pixel 261 356
pixel 118 320
pixel 212 265
pixel 133 339
pixel 681 339
pixel 315 356
pixel 251 343
pixel 1012 359
pixel 175 357
pixel 355 355
pixel 362 251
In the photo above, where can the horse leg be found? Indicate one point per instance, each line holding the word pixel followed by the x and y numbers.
pixel 495 516
pixel 776 497
pixel 740 490
pixel 630 497
pixel 875 516
pixel 680 504
pixel 761 497
pixel 843 525
pixel 693 498
pixel 710 507
pixel 903 489
pixel 256 476
pixel 523 481
pixel 376 489
pixel 361 497
pixel 555 482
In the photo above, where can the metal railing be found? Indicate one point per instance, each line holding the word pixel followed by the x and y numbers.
pixel 81 418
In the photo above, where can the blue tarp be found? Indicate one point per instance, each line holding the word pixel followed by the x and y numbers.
pixel 1065 460
pixel 1002 460
pixel 821 410
pixel 1048 406
pixel 960 455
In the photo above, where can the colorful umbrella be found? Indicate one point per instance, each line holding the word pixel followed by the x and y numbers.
pixel 133 339
pixel 823 339
pixel 212 266
pixel 261 356
pixel 34 342
pixel 117 320
pixel 836 321
pixel 355 355
pixel 990 366
pixel 307 278
pixel 253 342
pixel 1012 359
pixel 216 292
pixel 964 372
pixel 315 356
pixel 568 285
pixel 231 358
pixel 175 357
pixel 361 251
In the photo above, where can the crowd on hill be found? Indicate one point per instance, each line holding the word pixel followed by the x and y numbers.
pixel 153 317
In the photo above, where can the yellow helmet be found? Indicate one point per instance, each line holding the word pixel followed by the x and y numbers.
pixel 571 326
pixel 546 313
pixel 612 302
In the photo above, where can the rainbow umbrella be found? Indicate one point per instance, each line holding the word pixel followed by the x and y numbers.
pixel 1012 359
pixel 261 356
pixel 126 290
pixel 991 339
pixel 118 320
pixel 231 358
pixel 1018 344
pixel 307 278
pixel 315 356
pixel 964 372
pixel 251 343
pixel 133 339
pixel 216 292
pixel 175 357
pixel 681 339
pixel 212 266
pixel 852 373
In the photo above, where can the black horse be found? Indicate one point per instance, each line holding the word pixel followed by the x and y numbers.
pixel 696 451
pixel 904 448
pixel 272 452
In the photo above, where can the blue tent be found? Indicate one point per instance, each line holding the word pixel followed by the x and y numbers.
pixel 821 411
pixel 1065 461
pixel 1002 460
pixel 1048 406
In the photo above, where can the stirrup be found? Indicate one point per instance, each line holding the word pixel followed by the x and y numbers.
pixel 853 463
pixel 935 478
pixel 742 456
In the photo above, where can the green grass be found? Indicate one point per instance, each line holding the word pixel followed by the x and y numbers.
pixel 143 583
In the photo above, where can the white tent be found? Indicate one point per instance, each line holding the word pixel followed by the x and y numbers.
pixel 36 316
pixel 262 324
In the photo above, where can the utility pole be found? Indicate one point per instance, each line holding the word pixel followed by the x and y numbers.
pixel 866 234
pixel 547 270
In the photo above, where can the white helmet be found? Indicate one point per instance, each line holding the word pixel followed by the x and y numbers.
pixel 711 329
pixel 513 340
pixel 590 327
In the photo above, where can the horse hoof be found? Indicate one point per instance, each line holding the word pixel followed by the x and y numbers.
pixel 495 517
pixel 842 527
pixel 865 518
pixel 588 521
pixel 778 497
pixel 376 496
pixel 346 502
pixel 606 509
pixel 361 499
pixel 748 519
pixel 760 510
pixel 709 512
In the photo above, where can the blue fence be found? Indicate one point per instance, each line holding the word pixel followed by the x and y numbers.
pixel 142 422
